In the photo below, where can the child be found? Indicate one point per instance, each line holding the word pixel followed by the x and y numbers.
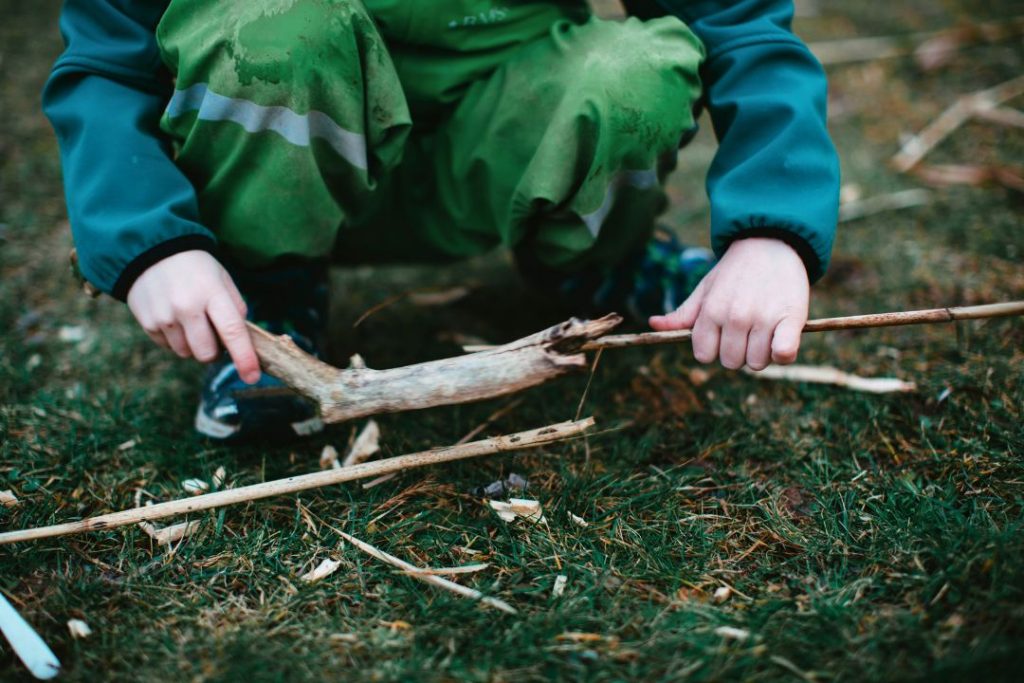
pixel 217 155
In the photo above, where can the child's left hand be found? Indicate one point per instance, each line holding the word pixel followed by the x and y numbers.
pixel 751 308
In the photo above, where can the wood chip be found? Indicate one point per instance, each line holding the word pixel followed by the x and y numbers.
pixel 322 571
pixel 721 594
pixel 437 581
pixel 733 633
pixel 219 477
pixel 8 499
pixel 170 534
pixel 195 486
pixel 579 521
pixel 530 510
pixel 823 374
pixel 71 334
pixel 366 444
pixel 329 458
pixel 559 588
pixel 79 629
pixel 127 445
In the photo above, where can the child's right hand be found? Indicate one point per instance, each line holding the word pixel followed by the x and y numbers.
pixel 188 300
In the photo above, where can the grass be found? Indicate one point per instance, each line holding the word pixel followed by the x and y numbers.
pixel 863 537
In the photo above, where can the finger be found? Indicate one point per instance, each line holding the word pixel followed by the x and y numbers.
pixel 158 338
pixel 759 348
pixel 200 338
pixel 786 340
pixel 233 333
pixel 684 317
pixel 236 296
pixel 176 339
pixel 705 338
pixel 733 348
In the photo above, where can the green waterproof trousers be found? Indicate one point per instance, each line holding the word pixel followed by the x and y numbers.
pixel 426 130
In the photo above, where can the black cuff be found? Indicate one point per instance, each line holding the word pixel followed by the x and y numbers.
pixel 140 263
pixel 801 246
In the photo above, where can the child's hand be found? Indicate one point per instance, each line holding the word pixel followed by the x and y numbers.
pixel 185 302
pixel 751 307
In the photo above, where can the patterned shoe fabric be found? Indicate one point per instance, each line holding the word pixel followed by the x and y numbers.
pixel 654 280
pixel 290 301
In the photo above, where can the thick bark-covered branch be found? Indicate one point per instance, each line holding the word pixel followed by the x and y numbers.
pixel 357 392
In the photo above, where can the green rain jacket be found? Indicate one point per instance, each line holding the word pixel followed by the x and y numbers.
pixel 775 173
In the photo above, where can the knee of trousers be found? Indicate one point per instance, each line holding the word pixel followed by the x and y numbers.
pixel 643 77
pixel 286 53
pixel 307 69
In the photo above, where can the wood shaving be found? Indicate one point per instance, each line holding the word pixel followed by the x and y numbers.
pixel 127 445
pixel 170 534
pixel 530 510
pixel 79 629
pixel 578 521
pixel 322 571
pixel 195 486
pixel 733 633
pixel 329 458
pixel 366 444
pixel 71 334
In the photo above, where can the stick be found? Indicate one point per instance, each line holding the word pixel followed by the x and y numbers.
pixel 499 444
pixel 906 199
pixel 432 579
pixel 932 315
pixel 848 50
pixel 961 111
pixel 823 374
pixel 348 394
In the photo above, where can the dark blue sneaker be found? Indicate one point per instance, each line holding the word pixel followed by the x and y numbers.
pixel 282 300
pixel 654 280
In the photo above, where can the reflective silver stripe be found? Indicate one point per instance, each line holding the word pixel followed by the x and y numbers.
pixel 641 180
pixel 297 129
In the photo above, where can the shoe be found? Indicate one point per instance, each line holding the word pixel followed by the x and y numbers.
pixel 292 301
pixel 654 280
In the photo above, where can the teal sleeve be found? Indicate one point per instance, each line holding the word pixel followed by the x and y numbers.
pixel 128 203
pixel 776 172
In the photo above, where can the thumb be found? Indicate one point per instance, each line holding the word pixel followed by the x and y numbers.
pixel 684 317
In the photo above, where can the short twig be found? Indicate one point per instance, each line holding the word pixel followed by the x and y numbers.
pixel 425 576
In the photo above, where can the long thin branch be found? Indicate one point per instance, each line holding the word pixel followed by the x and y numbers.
pixel 931 315
pixel 499 444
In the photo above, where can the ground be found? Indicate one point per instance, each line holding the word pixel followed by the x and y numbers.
pixel 861 537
